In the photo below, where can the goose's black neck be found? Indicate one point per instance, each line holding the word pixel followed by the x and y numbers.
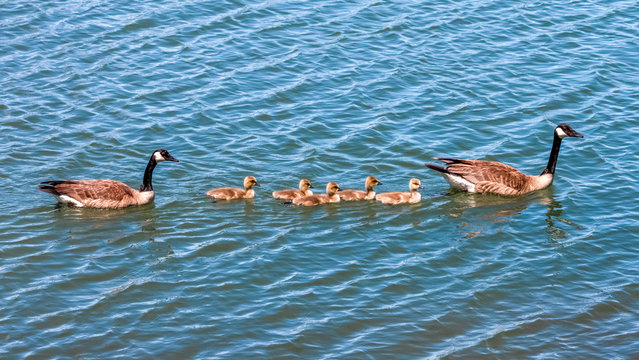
pixel 148 175
pixel 554 153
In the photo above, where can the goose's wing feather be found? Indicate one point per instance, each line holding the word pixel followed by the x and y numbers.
pixel 495 188
pixel 493 173
pixel 100 192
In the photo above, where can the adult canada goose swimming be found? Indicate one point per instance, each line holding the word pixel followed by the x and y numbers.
pixel 398 197
pixel 105 193
pixel 291 194
pixel 229 193
pixel 482 176
pixel 311 200
pixel 369 194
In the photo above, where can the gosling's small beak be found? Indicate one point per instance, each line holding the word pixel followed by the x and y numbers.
pixel 256 184
pixel 311 187
pixel 379 183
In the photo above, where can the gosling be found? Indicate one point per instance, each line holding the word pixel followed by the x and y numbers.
pixel 355 195
pixel 312 200
pixel 229 193
pixel 290 194
pixel 398 197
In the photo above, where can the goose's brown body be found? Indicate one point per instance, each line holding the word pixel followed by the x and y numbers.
pixel 312 200
pixel 105 193
pixel 355 195
pixel 480 176
pixel 229 193
pixel 101 193
pixel 290 194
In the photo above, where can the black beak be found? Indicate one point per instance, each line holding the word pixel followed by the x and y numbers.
pixel 379 183
pixel 256 184
pixel 576 134
pixel 171 158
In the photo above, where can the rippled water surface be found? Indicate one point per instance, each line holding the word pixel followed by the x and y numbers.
pixel 331 91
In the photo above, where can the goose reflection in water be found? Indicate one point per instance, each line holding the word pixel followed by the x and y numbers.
pixel 495 209
pixel 122 225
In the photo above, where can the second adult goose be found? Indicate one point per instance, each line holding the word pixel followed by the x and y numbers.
pixel 354 195
pixel 105 193
pixel 229 193
pixel 480 176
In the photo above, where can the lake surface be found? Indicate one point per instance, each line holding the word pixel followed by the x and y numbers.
pixel 329 91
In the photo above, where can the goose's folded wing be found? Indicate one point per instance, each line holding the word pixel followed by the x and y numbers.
pixel 86 190
pixel 495 188
pixel 478 171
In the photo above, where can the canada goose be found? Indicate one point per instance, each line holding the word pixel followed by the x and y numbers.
pixel 229 193
pixel 291 194
pixel 311 200
pixel 398 197
pixel 482 176
pixel 369 194
pixel 105 193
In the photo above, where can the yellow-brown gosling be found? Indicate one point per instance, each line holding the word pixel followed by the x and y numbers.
pixel 398 197
pixel 291 194
pixel 105 193
pixel 480 176
pixel 311 200
pixel 354 195
pixel 229 193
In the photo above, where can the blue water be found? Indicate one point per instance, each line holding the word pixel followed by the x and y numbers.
pixel 329 91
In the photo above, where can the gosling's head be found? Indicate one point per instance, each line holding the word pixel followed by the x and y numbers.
pixel 372 181
pixel 415 184
pixel 162 155
pixel 305 185
pixel 249 182
pixel 564 131
pixel 332 188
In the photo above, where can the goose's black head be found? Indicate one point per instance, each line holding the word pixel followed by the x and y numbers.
pixel 163 155
pixel 564 131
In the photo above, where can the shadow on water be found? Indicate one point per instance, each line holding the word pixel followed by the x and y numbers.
pixel 485 209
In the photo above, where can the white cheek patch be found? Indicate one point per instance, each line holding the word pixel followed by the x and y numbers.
pixel 158 157
pixel 560 133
